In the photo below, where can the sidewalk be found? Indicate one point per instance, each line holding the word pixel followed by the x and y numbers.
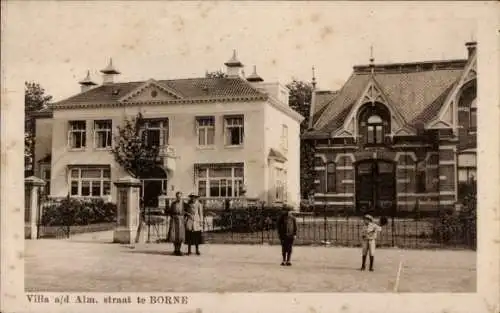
pixel 89 262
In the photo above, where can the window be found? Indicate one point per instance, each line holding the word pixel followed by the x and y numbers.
pixel 473 116
pixel 284 137
pixel 220 181
pixel 155 133
pixel 330 177
pixel 77 134
pixel 467 165
pixel 90 182
pixel 375 130
pixel 45 175
pixel 205 129
pixel 103 134
pixel 280 185
pixel 421 177
pixel 233 128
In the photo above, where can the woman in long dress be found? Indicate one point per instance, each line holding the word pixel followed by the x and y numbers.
pixel 176 229
pixel 194 223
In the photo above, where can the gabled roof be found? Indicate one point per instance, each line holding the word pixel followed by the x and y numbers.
pixel 415 89
pixel 322 98
pixel 187 89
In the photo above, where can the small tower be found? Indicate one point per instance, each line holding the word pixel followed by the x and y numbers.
pixel 108 73
pixel 312 106
pixel 87 83
pixel 234 66
pixel 254 77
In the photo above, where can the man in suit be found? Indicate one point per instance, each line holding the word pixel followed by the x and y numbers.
pixel 287 231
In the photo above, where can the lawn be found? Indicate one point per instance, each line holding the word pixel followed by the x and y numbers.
pixel 88 263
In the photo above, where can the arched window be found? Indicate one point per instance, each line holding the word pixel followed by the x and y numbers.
pixel 375 130
pixel 473 116
pixel 330 177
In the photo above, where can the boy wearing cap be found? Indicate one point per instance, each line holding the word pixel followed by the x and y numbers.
pixel 369 235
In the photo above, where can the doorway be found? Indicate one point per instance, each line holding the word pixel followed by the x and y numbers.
pixel 153 184
pixel 375 187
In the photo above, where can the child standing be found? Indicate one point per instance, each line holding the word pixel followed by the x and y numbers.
pixel 369 235
pixel 287 230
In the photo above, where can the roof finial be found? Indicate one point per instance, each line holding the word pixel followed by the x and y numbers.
pixel 372 59
pixel 313 77
pixel 87 80
pixel 254 77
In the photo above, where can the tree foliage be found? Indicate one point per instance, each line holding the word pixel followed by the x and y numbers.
pixel 131 150
pixel 216 74
pixel 300 101
pixel 34 99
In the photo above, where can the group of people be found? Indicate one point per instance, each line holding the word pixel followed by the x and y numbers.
pixel 186 225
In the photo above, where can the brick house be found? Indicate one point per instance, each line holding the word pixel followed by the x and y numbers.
pixel 396 136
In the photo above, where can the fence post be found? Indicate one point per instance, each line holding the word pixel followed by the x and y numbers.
pixel 263 222
pixel 32 212
pixel 128 212
pixel 392 230
pixel 324 224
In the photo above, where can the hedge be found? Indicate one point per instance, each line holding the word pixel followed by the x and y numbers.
pixel 70 211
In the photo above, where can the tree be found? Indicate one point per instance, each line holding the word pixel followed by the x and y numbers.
pixel 216 74
pixel 132 151
pixel 300 101
pixel 35 99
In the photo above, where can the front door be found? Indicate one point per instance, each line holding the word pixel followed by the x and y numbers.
pixel 375 187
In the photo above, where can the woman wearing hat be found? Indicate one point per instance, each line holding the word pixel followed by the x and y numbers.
pixel 176 229
pixel 194 223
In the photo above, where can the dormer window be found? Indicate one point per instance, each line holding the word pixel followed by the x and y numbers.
pixel 374 123
pixel 375 130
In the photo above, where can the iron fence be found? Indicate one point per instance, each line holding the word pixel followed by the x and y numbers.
pixel 258 226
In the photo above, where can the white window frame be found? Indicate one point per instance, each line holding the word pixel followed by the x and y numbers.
pixel 102 180
pixel 203 125
pixel 98 131
pixel 163 129
pixel 73 131
pixel 284 137
pixel 280 194
pixel 232 121
pixel 468 167
pixel 237 182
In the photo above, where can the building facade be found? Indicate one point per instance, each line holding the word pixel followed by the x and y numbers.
pixel 396 136
pixel 224 137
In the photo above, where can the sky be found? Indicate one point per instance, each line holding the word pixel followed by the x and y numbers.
pixel 55 43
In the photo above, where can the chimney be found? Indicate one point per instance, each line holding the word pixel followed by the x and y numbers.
pixel 471 48
pixel 234 66
pixel 254 77
pixel 87 83
pixel 108 73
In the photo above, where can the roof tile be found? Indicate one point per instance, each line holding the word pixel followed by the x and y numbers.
pixel 191 88
pixel 417 95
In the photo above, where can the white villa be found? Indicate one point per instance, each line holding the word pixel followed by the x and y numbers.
pixel 220 137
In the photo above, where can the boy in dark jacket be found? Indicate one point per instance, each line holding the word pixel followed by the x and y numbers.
pixel 287 230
